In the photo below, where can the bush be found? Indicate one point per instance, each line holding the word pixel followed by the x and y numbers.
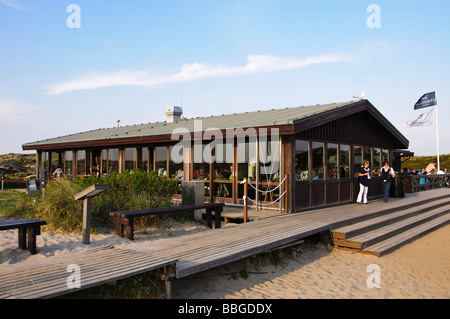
pixel 129 190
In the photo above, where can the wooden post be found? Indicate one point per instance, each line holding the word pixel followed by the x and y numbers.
pixel 286 188
pixel 246 200
pixel 86 196
pixel 86 220
pixel 169 274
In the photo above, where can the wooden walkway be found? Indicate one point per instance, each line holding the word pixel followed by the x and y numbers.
pixel 47 278
pixel 194 252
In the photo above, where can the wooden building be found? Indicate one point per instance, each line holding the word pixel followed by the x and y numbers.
pixel 309 154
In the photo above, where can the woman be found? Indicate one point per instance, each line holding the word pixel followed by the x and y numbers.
pixel 387 174
pixel 364 181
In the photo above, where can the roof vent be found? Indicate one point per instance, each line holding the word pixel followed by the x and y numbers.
pixel 174 114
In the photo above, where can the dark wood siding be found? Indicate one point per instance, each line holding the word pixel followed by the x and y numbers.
pixel 359 128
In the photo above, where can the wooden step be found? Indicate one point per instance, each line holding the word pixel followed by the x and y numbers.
pixel 379 234
pixel 393 207
pixel 352 230
pixel 388 245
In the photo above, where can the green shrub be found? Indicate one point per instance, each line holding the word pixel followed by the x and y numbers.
pixel 129 190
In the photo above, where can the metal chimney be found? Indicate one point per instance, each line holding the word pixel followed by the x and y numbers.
pixel 174 114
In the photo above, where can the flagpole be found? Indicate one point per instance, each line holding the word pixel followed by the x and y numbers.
pixel 437 132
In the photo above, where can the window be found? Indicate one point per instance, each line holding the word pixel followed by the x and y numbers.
pixel 113 160
pixel 130 158
pixel 104 162
pixel 367 155
pixel 68 161
pixel 344 161
pixel 358 159
pixel 317 160
pixel 175 168
pixel 202 158
pixel 332 161
pixel 161 160
pixel 269 155
pixel 143 159
pixel 45 162
pixel 376 165
pixel 223 167
pixel 223 161
pixel 385 156
pixel 247 160
pixel 301 160
pixel 81 163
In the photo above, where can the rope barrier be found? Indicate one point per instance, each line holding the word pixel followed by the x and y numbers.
pixel 262 204
pixel 270 191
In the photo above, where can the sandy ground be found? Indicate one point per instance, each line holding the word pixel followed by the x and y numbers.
pixel 419 270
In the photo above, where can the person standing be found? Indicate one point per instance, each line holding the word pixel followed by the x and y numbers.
pixel 364 182
pixel 387 174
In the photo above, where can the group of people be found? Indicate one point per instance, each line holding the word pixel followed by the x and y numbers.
pixel 386 173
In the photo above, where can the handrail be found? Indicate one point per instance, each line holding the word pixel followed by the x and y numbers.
pixel 417 183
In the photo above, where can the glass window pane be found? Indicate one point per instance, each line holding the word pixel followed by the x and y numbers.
pixel 130 158
pixel 161 160
pixel 113 160
pixel 223 161
pixel 385 156
pixel 376 166
pixel 68 161
pixel 367 155
pixel 81 163
pixel 45 162
pixel 269 156
pixel 344 161
pixel 57 161
pixel 143 159
pixel 247 160
pixel 104 162
pixel 317 160
pixel 176 169
pixel 332 161
pixel 301 160
pixel 201 162
pixel 358 159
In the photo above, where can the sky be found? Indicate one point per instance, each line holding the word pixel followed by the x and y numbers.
pixel 74 66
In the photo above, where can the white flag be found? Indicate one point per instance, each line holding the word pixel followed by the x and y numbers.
pixel 424 119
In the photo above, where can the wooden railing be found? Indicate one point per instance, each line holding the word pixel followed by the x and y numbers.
pixel 417 183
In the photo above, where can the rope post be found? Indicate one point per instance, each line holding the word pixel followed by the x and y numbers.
pixel 286 194
pixel 245 200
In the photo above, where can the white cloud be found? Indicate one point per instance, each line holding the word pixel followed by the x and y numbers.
pixel 12 111
pixel 14 4
pixel 189 72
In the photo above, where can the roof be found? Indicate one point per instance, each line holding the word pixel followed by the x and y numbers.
pixel 285 119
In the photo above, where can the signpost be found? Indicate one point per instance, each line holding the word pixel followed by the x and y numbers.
pixel 86 196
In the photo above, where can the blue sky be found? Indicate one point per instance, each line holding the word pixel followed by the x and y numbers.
pixel 130 60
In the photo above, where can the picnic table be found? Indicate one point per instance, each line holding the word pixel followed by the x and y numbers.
pixel 125 219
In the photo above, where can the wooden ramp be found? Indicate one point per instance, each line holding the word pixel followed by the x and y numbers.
pixel 201 251
pixel 385 230
pixel 47 278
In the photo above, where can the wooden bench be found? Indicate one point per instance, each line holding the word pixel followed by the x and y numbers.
pixel 126 219
pixel 27 228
